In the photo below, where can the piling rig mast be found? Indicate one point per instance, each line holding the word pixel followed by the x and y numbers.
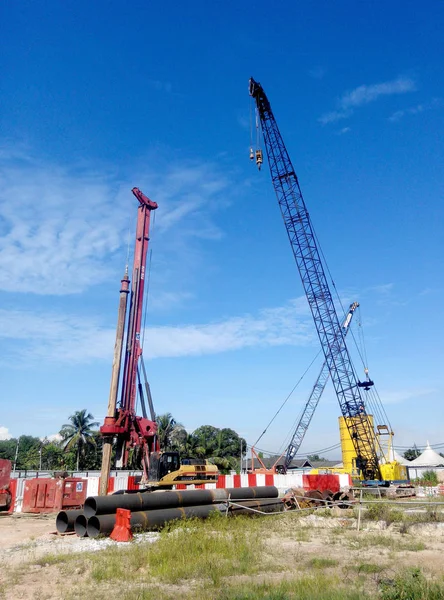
pixel 121 422
pixel 303 242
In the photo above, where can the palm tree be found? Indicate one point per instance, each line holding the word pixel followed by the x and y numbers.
pixel 78 433
pixel 165 426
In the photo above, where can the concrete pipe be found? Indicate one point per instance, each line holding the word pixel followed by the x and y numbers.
pixel 80 525
pixel 65 520
pixel 143 501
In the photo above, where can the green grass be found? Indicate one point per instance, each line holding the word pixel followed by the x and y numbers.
pixel 322 563
pixel 383 512
pixel 411 585
pixel 368 568
pixel 209 549
pixel 304 588
pixel 363 541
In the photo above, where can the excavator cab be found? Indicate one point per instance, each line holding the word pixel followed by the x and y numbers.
pixel 167 469
pixel 163 463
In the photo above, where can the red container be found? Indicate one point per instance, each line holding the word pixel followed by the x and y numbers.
pixel 52 495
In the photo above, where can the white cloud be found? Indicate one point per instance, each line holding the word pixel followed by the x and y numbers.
pixel 4 433
pixel 333 116
pixel 364 94
pixel 64 338
pixel 61 228
pixel 415 110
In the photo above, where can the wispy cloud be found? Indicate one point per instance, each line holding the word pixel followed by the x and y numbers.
pixel 383 288
pixel 399 396
pixel 4 433
pixel 364 94
pixel 61 228
pixel 161 86
pixel 415 110
pixel 76 339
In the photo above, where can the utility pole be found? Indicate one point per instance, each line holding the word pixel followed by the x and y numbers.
pixel 16 454
pixel 112 402
pixel 241 458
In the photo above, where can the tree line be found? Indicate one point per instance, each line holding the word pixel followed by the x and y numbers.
pixel 79 446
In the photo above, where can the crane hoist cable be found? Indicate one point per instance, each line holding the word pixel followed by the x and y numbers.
pixel 272 453
pixel 372 397
pixel 288 397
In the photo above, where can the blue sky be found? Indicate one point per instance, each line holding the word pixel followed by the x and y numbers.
pixel 99 97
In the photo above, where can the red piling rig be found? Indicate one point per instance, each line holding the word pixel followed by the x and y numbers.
pixel 130 430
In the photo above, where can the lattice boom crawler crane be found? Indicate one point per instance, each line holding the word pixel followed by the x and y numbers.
pixel 331 335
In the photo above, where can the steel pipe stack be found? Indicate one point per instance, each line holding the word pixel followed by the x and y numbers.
pixel 151 510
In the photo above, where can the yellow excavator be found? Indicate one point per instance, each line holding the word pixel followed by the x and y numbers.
pixel 168 468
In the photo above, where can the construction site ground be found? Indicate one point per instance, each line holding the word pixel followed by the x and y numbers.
pixel 275 557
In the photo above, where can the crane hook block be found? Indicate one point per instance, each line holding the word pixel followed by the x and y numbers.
pixel 251 154
pixel 259 159
pixel 366 384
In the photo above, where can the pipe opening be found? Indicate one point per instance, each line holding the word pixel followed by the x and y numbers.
pixel 90 507
pixel 80 526
pixel 62 522
pixel 93 527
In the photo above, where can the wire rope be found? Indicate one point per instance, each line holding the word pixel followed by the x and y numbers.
pixel 288 397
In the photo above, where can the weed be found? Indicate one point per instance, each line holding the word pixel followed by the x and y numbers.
pixel 411 585
pixel 212 551
pixel 322 563
pixel 207 550
pixel 305 588
pixel 429 478
pixel 369 568
pixel 360 541
pixel 302 535
pixel 383 512
pixel 53 559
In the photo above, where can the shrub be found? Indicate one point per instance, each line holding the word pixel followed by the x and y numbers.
pixel 429 478
pixel 383 512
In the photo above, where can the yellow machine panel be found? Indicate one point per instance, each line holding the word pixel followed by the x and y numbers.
pixel 390 470
pixel 347 447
